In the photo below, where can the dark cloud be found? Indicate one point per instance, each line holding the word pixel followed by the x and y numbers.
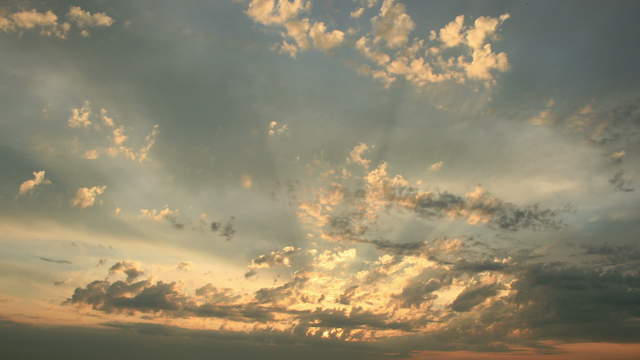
pixel 55 261
pixel 620 182
pixel 155 341
pixel 128 268
pixel 226 230
pixel 568 302
pixel 473 296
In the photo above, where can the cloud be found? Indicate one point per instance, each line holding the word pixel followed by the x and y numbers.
pixel 475 59
pixel 282 257
pixel 436 166
pixel 165 214
pixel 86 196
pixel 30 185
pixel 226 230
pixel 276 128
pixel 323 39
pixel 617 156
pixel 85 20
pixel 184 266
pixel 355 156
pixel 357 13
pixel 620 182
pixel 117 139
pixel 128 268
pixel 91 154
pixel 349 209
pixel 55 261
pixel 393 24
pixel 48 23
pixel 473 296
pixel 459 53
pixel 80 116
pixel 300 33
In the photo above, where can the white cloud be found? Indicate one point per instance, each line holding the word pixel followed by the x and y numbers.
pixel 451 35
pixel 90 154
pixel 357 13
pixel 80 116
pixel 436 166
pixel 29 185
pixel 159 215
pixel 269 12
pixel 323 39
pixel 355 156
pixel 48 22
pixel 86 196
pixel 393 24
pixel 84 19
pixel 305 33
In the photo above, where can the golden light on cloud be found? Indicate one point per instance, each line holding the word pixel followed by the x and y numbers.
pixel 289 179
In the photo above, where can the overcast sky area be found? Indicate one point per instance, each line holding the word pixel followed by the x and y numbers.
pixel 286 179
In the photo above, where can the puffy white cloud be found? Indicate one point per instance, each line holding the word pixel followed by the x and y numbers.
pixel 393 24
pixel 379 57
pixel 355 156
pixel 48 22
pixel 80 117
pixel 323 39
pixel 305 33
pixel 451 34
pixel 269 12
pixel 29 185
pixel 84 19
pixel 86 196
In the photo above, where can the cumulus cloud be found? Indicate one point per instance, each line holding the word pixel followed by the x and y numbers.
pixel 348 209
pixel 389 47
pixel 86 196
pixel 117 137
pixel 48 23
pixel 30 185
pixel 85 20
pixel 392 24
pixel 299 33
pixel 80 116
pixel 356 155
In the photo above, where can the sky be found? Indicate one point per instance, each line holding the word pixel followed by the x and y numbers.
pixel 357 179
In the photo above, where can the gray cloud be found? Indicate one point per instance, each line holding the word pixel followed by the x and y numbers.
pixel 55 261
